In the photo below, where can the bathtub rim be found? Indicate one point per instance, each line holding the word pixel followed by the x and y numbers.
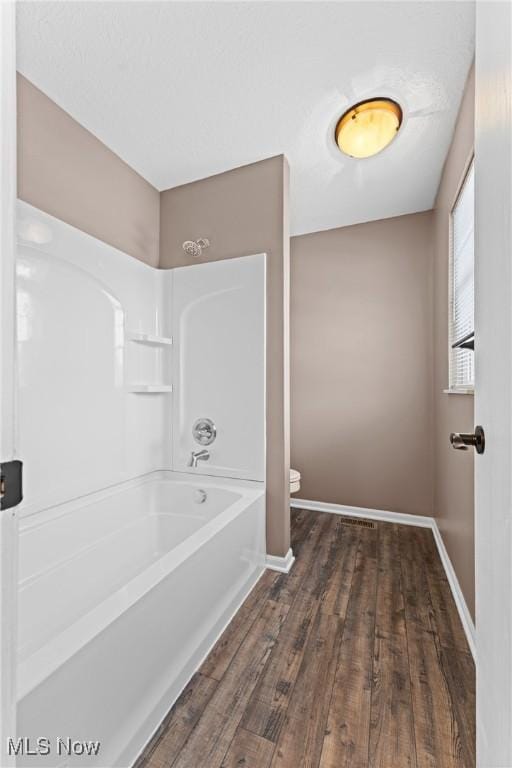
pixel 36 667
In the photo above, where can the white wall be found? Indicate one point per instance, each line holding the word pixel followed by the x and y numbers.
pixel 79 425
pixel 219 364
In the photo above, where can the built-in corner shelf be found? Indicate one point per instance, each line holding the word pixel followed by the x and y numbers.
pixel 149 389
pixel 149 338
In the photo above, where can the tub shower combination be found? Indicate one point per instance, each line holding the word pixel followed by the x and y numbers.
pixel 141 419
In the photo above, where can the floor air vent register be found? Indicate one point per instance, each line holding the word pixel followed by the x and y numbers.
pixel 357 521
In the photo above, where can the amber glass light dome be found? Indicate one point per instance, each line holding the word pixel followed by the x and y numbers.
pixel 368 127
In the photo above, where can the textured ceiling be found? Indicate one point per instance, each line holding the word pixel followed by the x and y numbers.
pixel 186 90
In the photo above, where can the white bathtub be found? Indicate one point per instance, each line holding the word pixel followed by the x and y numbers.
pixel 122 594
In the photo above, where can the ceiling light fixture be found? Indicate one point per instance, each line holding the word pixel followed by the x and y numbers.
pixel 368 127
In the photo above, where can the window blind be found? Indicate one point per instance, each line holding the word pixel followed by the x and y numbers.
pixel 462 314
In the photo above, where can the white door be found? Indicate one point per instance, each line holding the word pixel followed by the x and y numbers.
pixel 493 390
pixel 8 520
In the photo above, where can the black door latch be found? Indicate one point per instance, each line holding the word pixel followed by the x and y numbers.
pixel 11 483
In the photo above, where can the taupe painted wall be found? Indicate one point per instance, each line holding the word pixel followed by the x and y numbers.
pixel 245 211
pixel 361 364
pixel 66 171
pixel 453 470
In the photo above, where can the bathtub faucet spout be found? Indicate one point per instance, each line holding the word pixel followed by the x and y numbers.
pixel 195 456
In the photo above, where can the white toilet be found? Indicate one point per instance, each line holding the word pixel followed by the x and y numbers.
pixel 294 481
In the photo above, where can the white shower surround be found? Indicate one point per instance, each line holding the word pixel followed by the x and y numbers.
pixel 127 576
pixel 218 318
pixel 79 425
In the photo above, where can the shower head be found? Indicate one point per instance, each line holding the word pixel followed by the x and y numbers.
pixel 195 248
pixel 191 248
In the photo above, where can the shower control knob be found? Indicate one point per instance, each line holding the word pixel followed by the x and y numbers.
pixel 204 431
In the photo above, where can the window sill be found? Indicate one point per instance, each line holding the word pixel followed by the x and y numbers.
pixel 460 391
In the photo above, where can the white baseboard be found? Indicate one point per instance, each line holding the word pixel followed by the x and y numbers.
pixel 465 616
pixel 372 514
pixel 404 519
pixel 281 564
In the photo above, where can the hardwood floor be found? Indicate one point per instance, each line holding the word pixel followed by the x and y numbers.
pixel 356 658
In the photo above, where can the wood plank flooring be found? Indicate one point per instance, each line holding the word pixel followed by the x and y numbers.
pixel 356 659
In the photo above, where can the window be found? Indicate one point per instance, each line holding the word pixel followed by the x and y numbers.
pixel 462 285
